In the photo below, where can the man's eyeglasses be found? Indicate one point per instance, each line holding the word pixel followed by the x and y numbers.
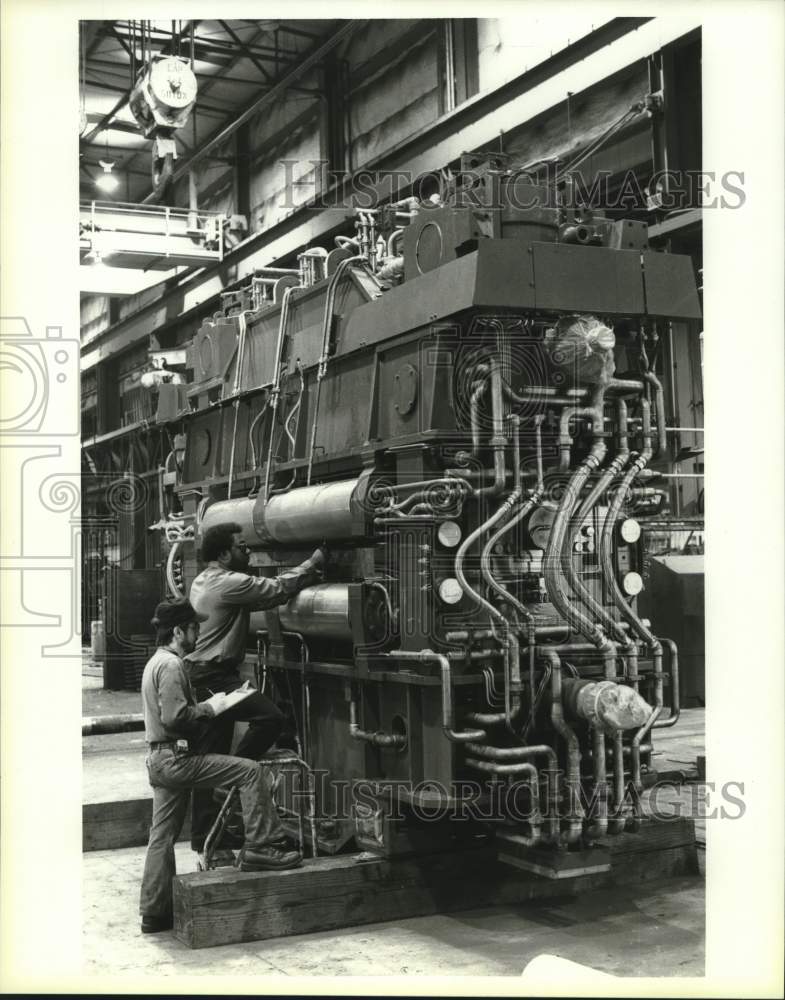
pixel 242 546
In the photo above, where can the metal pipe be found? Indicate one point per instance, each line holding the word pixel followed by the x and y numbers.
pixel 485 568
pixel 673 670
pixel 485 560
pixel 619 821
pixel 103 725
pixel 329 307
pixel 592 606
pixel 476 654
pixel 659 403
pixel 521 753
pixel 624 385
pixel 560 724
pixel 377 739
pixel 635 622
pixel 512 705
pixel 599 823
pixel 540 393
pixel 498 442
pixel 283 321
pixel 552 562
pixel 535 821
pixel 580 591
pixel 464 636
pixel 474 414
pixel 448 721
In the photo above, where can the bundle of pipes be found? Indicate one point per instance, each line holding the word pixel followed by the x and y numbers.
pixel 330 511
pixel 581 611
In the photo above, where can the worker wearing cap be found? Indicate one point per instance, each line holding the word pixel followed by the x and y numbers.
pixel 173 721
pixel 226 594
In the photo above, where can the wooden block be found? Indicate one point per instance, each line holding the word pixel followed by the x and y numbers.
pixel 669 863
pixel 654 835
pixel 227 906
pixel 109 826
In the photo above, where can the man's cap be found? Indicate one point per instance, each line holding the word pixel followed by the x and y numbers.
pixel 179 612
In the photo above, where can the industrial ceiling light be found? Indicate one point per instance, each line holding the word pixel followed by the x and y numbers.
pixel 107 181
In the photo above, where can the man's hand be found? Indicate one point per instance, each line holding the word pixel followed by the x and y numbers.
pixel 318 559
pixel 217 702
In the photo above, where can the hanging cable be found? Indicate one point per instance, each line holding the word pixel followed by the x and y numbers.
pixel 595 145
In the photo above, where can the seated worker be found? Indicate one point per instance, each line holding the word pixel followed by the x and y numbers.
pixel 227 594
pixel 172 719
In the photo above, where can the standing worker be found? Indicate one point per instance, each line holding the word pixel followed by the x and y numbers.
pixel 173 721
pixel 226 594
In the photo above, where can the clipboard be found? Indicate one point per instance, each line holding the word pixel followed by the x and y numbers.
pixel 235 697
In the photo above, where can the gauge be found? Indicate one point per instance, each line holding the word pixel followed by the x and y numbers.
pixel 450 590
pixel 450 533
pixel 630 530
pixel 632 583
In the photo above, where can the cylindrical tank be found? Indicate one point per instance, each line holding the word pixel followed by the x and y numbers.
pixel 321 610
pixel 308 514
pixel 239 511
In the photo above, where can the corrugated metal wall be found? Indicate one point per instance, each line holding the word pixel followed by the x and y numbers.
pixel 393 85
pixel 509 46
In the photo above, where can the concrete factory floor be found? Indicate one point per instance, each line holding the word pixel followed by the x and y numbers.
pixel 653 929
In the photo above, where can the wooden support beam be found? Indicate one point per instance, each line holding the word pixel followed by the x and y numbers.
pixel 227 906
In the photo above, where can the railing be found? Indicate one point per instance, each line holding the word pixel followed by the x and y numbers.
pixel 118 232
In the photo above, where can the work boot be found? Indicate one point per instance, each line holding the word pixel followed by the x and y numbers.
pixel 269 858
pixel 152 925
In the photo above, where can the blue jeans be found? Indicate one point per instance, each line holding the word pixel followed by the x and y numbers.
pixel 265 722
pixel 172 777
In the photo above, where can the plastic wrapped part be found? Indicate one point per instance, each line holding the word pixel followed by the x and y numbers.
pixel 581 347
pixel 540 524
pixel 328 511
pixel 319 611
pixel 611 706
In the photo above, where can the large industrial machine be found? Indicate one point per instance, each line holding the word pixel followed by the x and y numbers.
pixel 457 400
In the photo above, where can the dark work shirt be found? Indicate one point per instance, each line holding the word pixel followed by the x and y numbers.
pixel 170 708
pixel 228 598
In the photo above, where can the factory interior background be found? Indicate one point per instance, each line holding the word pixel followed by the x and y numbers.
pixel 427 293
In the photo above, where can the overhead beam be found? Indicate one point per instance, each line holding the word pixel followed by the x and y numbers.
pixel 117 126
pixel 473 125
pixel 224 64
pixel 227 45
pixel 115 33
pixel 245 50
pixel 311 60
